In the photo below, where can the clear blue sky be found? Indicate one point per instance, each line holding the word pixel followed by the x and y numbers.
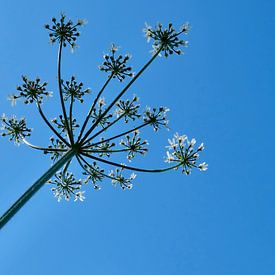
pixel 221 91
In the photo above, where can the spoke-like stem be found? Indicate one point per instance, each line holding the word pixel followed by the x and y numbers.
pixel 50 126
pixel 67 166
pixel 83 140
pixel 43 148
pixel 105 128
pixel 71 117
pixel 79 158
pixel 131 167
pixel 117 136
pixel 34 188
pixel 93 106
pixel 82 166
pixel 60 92
pixel 105 151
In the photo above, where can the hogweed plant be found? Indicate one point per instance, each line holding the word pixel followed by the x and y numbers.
pixel 89 142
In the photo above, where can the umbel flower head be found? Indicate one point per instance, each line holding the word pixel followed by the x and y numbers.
pixel 184 153
pixel 128 109
pixel 15 129
pixel 98 143
pixel 66 186
pixel 134 145
pixel 116 66
pixel 72 89
pixel 64 32
pixel 166 40
pixel 31 91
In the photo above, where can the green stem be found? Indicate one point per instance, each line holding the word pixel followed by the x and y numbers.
pixel 105 151
pixel 49 124
pixel 131 167
pixel 71 117
pixel 117 136
pixel 79 158
pixel 104 129
pixel 60 92
pixel 43 148
pixel 34 188
pixel 93 106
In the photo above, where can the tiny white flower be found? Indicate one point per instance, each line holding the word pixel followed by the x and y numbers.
pixel 59 198
pixel 169 157
pixel 196 155
pixel 147 32
pixel 67 197
pixel 185 27
pixel 133 176
pixel 97 187
pixel 130 186
pixel 74 47
pixel 165 110
pixel 173 144
pixel 128 55
pixel 101 101
pixel 192 142
pixel 3 117
pixel 203 166
pixel 114 48
pixel 12 98
pixel 201 147
pixel 185 44
pixel 79 196
pixel 82 22
pixel 49 94
pixel 181 139
pixel 187 172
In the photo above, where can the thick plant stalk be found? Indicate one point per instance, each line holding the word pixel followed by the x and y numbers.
pixel 35 187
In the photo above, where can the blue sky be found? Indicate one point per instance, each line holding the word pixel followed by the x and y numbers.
pixel 221 91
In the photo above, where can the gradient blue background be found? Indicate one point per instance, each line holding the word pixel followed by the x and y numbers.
pixel 221 222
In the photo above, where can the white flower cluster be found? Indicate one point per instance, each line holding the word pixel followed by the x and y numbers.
pixel 84 141
pixel 67 186
pixel 118 178
pixel 182 153
pixel 134 145
pixel 156 117
pixel 116 65
pixel 15 129
pixel 128 109
pixel 166 39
